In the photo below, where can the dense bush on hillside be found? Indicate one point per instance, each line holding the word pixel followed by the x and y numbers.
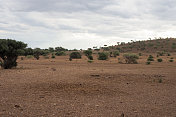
pixel 9 52
pixel 102 56
pixel 131 58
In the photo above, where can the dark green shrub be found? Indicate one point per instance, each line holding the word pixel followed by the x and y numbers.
pixel 148 63
pixel 9 52
pixel 102 56
pixel 130 58
pixel 171 60
pixel 75 55
pixel 140 54
pixel 90 57
pixel 168 54
pixel 60 53
pixel 88 52
pixel 53 56
pixel 159 60
pixel 28 51
pixel 37 53
pixel 150 58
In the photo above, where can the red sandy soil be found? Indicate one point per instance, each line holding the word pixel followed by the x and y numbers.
pixel 62 88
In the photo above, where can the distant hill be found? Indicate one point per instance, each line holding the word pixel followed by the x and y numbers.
pixel 152 46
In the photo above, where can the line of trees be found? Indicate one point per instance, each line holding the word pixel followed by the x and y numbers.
pixel 11 49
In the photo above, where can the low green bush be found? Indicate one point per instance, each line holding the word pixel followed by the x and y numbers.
pixel 102 56
pixel 90 57
pixel 159 60
pixel 90 61
pixel 60 53
pixel 171 60
pixel 140 54
pixel 29 56
pixel 148 63
pixel 150 58
pixel 131 58
pixel 75 55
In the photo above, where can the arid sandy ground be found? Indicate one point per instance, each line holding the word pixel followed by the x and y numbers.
pixel 58 87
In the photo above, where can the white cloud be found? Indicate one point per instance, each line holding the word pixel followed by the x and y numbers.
pixel 83 24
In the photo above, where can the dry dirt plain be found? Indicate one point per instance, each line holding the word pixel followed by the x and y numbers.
pixel 62 88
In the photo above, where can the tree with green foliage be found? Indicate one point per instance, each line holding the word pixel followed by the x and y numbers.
pixel 9 52
pixel 60 49
pixel 28 51
pixel 51 49
pixel 75 55
pixel 60 53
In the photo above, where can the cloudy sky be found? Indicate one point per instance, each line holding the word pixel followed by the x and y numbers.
pixel 85 23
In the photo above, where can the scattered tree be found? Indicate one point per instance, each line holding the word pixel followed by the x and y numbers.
pixel 9 52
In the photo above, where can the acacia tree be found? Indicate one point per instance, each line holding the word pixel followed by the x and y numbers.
pixel 9 52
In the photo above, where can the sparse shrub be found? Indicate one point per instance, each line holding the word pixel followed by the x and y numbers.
pixel 116 53
pixel 46 57
pixel 140 54
pixel 131 58
pixel 29 56
pixel 75 55
pixel 37 53
pixel 160 80
pixel 9 52
pixel 150 58
pixel 88 52
pixel 120 61
pixel 159 60
pixel 70 59
pixel 168 54
pixel 148 63
pixel 102 56
pixel 22 58
pixel 171 60
pixel 160 53
pixel 90 61
pixel 53 56
pixel 60 53
pixel 90 57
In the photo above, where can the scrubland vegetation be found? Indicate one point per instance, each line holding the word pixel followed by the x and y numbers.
pixel 127 79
